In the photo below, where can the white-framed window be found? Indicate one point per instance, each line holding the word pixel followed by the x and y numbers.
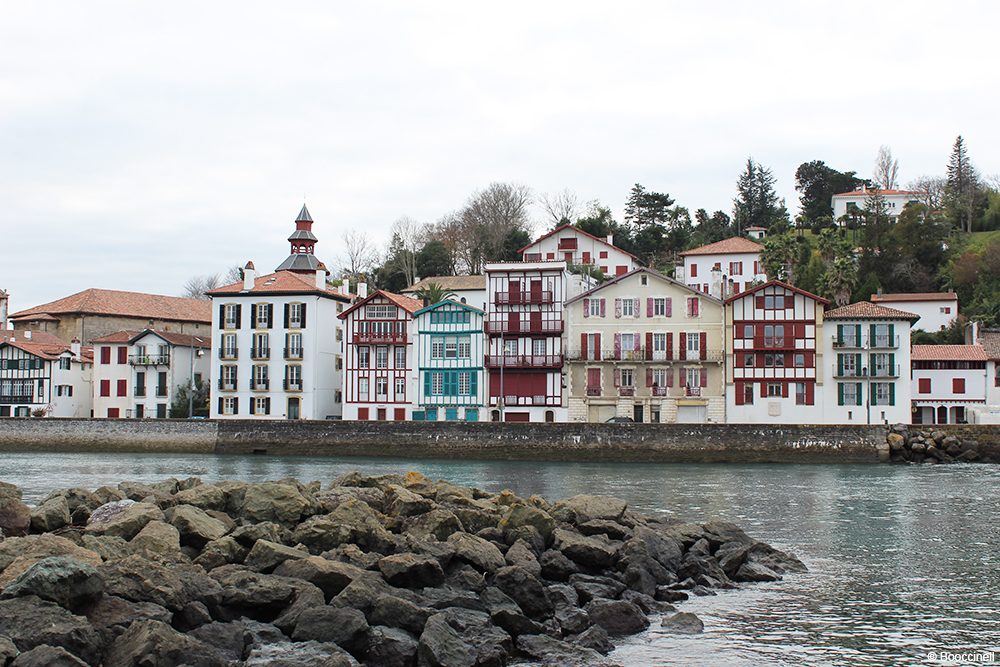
pixel 627 342
pixel 437 384
pixel 659 306
pixel 400 387
pixel 229 405
pixel 294 374
pixel 850 390
pixel 260 376
pixel 229 317
pixel 881 393
pixel 628 308
pixel 774 302
pixel 261 321
pixel 65 363
pixel 693 344
pixel 381 357
pixel 774 389
pixel 464 347
pixel 400 356
pixel 380 311
pixel 450 348
pixel 260 405
pixel 628 377
pixel 464 383
pixel 381 388
pixel 229 346
pixel 364 357
pixel 800 393
pixel 260 346
pixel 437 348
pixel 882 336
pixel 229 377
pixel 538 347
pixel 659 346
pixel 295 315
pixel 735 268
pixel 850 364
pixel 362 389
pixel 692 377
pixel 660 377
pixel 595 307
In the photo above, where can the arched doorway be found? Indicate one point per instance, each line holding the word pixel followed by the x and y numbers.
pixel 293 407
pixel 942 415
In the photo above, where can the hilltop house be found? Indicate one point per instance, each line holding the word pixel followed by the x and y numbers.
pixel 936 310
pixel 856 201
pixel 576 247
pixel 724 268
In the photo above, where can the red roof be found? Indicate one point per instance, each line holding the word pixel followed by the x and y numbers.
pixel 948 353
pixel 406 303
pixel 865 310
pixel 646 270
pixel 124 304
pixel 778 283
pixel 730 246
pixel 578 231
pixel 179 339
pixel 281 282
pixel 40 344
pixel 916 296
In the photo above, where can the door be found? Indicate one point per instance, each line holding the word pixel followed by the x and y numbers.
pixel 112 413
pixel 637 413
pixel 514 291
pixel 381 414
pixel 293 408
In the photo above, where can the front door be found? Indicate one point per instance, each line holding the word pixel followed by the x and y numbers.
pixel 293 408
pixel 637 414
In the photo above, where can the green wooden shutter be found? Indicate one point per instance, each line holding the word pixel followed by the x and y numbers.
pixel 840 393
pixel 473 382
pixel 871 339
pixel 840 368
pixel 892 393
pixel 892 335
pixel 892 365
pixel 857 363
pixel 427 383
pixel 857 391
pixel 840 334
pixel 857 334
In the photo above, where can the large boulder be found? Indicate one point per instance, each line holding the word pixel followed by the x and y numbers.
pixel 224 551
pixel 410 570
pixel 266 555
pixel 157 537
pixel 196 527
pixel 171 585
pixel 584 508
pixel 557 653
pixel 556 566
pixel 154 644
pixel 60 579
pixel 591 552
pixel 481 554
pixel 51 515
pixel 15 516
pixel 203 496
pixel 390 647
pixel 48 656
pixel 329 576
pixel 683 623
pixel 30 621
pixel 352 522
pixel 263 597
pixel 345 627
pixel 122 518
pixel 525 589
pixel 526 515
pixel 299 654
pixel 437 524
pixel 18 554
pixel 400 501
pixel 274 501
pixel 462 638
pixel 617 617
pixel 111 611
pixel 396 612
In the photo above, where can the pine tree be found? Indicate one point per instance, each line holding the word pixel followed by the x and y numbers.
pixel 757 203
pixel 962 188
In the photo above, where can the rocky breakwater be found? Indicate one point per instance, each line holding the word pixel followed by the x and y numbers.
pixel 930 445
pixel 391 570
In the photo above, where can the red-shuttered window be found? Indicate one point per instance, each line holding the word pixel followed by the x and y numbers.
pixel 924 386
pixel 958 385
pixel 106 386
pixel 122 389
pixel 122 354
pixel 105 355
pixel 362 414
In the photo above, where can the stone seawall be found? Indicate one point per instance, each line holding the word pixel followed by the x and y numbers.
pixel 108 435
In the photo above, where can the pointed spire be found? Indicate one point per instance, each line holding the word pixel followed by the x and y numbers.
pixel 304 215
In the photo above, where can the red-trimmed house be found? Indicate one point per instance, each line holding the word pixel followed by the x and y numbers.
pixel 380 369
pixel 574 246
pixel 774 356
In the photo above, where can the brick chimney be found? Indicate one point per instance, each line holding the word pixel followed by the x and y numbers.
pixel 249 274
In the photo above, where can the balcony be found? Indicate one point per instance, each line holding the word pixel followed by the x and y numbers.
pixel 876 342
pixel 292 385
pixel 260 385
pixel 873 373
pixel 658 391
pixel 885 371
pixel 643 354
pixel 139 392
pixel 293 353
pixel 692 391
pixel 778 342
pixel 227 385
pixel 524 361
pixel 593 391
pixel 511 400
pixel 161 392
pixel 501 327
pixel 16 400
pixel 380 338
pixel 231 354
pixel 149 359
pixel 518 298
pixel 626 391
pixel 883 342
pixel 260 353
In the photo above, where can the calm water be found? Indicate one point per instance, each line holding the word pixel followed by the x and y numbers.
pixel 903 560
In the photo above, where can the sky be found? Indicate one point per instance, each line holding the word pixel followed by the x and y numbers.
pixel 142 144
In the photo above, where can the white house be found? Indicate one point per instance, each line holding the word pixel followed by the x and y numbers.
pixel 949 383
pixel 279 340
pixel 465 289
pixel 137 373
pixel 846 203
pixel 450 354
pixel 937 310
pixel 574 246
pixel 867 351
pixel 724 268
pixel 40 373
pixel 989 339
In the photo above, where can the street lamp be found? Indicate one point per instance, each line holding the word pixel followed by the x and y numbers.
pixel 191 388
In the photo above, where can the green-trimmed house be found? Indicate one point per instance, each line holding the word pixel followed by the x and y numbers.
pixel 451 377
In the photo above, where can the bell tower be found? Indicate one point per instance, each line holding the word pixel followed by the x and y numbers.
pixel 302 257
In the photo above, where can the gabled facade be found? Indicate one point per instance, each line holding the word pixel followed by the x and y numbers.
pixel 775 356
pixel 645 347
pixel 949 383
pixel 855 202
pixel 41 374
pixel 451 376
pixel 724 268
pixel 867 350
pixel 470 290
pixel 380 370
pixel 936 310
pixel 576 247
pixel 137 373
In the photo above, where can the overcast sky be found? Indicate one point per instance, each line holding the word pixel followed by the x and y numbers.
pixel 143 143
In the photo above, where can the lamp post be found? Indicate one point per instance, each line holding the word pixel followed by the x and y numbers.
pixel 191 387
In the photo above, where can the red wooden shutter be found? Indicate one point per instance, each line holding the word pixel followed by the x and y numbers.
pixel 105 355
pixel 122 387
pixel 586 307
pixel 618 377
pixel 740 397
pixel 635 307
pixel 695 306
pixel 618 346
pixel 583 346
pixel 670 307
pixel 784 389
pixel 602 307
pixel 681 378
pixel 670 377
pixel 682 352
pixel 649 345
pixel 702 344
pixel 597 347
pixel 362 414
pixel 670 346
pixel 399 414
pixel 122 354
pixel 106 386
pixel 649 377
pixel 649 306
pixel 704 377
pixel 810 393
pixel 618 308
pixel 763 390
pixel 759 302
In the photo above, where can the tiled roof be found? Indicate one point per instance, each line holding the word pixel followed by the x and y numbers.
pixel 865 193
pixel 948 353
pixel 281 282
pixel 578 231
pixel 125 304
pixel 174 338
pixel 736 244
pixel 778 283
pixel 865 310
pixel 41 344
pixel 123 336
pixel 990 341
pixel 450 283
pixel 916 296
pixel 38 337
pixel 406 303
pixel 648 271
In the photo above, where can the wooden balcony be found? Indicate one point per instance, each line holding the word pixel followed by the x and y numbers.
pixel 626 391
pixel 380 338
pixel 524 361
pixel 517 298
pixel 504 327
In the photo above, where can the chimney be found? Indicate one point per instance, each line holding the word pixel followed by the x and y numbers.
pixel 718 280
pixel 74 346
pixel 362 290
pixel 611 239
pixel 321 276
pixel 345 286
pixel 27 335
pixel 249 273
pixel 3 310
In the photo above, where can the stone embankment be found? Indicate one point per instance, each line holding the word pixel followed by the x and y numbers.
pixel 909 444
pixel 389 571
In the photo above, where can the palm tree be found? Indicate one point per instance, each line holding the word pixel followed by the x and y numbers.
pixel 840 279
pixel 432 293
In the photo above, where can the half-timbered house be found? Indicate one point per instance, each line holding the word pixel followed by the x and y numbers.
pixel 451 381
pixel 40 374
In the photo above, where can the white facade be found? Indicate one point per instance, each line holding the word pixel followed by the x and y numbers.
pixel 937 310
pixel 469 290
pixel 574 246
pixel 51 377
pixel 847 202
pixel 949 383
pixel 722 269
pixel 278 343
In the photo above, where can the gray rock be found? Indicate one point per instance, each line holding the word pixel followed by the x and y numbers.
pixel 248 534
pixel 589 587
pixel 476 551
pixel 617 617
pixel 48 656
pixel 15 516
pixel 557 653
pixel 556 566
pixel 391 647
pixel 30 621
pixel 300 654
pixel 526 515
pixel 155 644
pixel 683 623
pixel 157 537
pixel 395 612
pixel 525 589
pixel 612 529
pixel 403 502
pixel 329 576
pixel 7 651
pixel 142 580
pixel 51 515
pixel 59 579
pixel 112 611
pixel 352 522
pixel 203 496
pixel 584 508
pixel 123 518
pixel 231 640
pixel 273 501
pixel 459 638
pixel 591 552
pixel 410 570
pixel 265 555
pixel 596 638
pixel 345 627
pixel 436 524
pixel 521 554
pixel 755 572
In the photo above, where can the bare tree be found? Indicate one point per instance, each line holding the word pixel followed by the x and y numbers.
pixel 487 219
pixel 407 237
pixel 359 255
pixel 234 274
pixel 886 169
pixel 562 207
pixel 196 286
pixel 931 189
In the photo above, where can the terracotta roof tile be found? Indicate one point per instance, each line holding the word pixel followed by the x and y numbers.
pixel 123 336
pixel 916 296
pixel 990 341
pixel 406 303
pixel 736 244
pixel 126 304
pixel 281 282
pixel 578 231
pixel 865 310
pixel 41 344
pixel 948 353
pixel 450 283
pixel 180 339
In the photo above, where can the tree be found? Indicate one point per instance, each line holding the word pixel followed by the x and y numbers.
pixel 962 187
pixel 886 169
pixel 645 208
pixel 482 228
pixel 561 207
pixel 434 259
pixel 931 189
pixel 817 183
pixel 197 286
pixel 179 406
pixel 709 229
pixel 780 256
pixel 756 203
pixel 432 293
pixel 409 236
pixel 840 278
pixel 359 255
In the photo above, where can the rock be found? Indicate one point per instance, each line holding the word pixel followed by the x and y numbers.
pixel 410 570
pixel 557 653
pixel 7 651
pixel 525 589
pixel 30 621
pixel 108 547
pixel 918 447
pixel 437 524
pixel 48 656
pixel 300 654
pixel 596 638
pixel 142 580
pixel 476 551
pixel 112 611
pixel 968 456
pixel 345 627
pixel 454 638
pixel 273 501
pixel 352 522
pixel 51 515
pixel 17 554
pixel 473 520
pixel 203 496
pixel 521 554
pixel 612 529
pixel 231 641
pixel 667 594
pixel 221 552
pixel 403 502
pixel 584 508
pixel 123 518
pixel 556 566
pixel 155 644
pixel 515 623
pixel 390 647
pixel 589 587
pixel 755 572
pixel 263 597
pixel 15 516
pixel 683 623
pixel 938 437
pixel 526 515
pixel 157 537
pixel 265 556
pixel 196 527
pixel 462 576
pixel 59 579
pixel 265 530
pixel 617 617
pixel 592 552
pixel 329 576
pixel 896 442
pixel 719 532
pixel 396 612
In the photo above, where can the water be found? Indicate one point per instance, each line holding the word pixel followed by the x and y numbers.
pixel 904 560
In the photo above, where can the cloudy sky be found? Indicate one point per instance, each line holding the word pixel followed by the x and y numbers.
pixel 144 143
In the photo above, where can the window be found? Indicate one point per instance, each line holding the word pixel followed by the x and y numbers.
pixel 773 389
pixel 121 388
pixel 946 310
pixel 229 405
pixel 627 377
pixel 105 387
pixel 400 387
pixel 659 377
pixel 628 308
pixel 464 383
pixel 381 388
pixel 849 393
pixel 293 377
pixel 262 315
pixel 260 348
pixel 380 312
pixel 882 336
pixel 659 307
pixel 882 393
pixel 231 317
pixel 694 270
pixel 364 354
pixel 437 348
pixel 437 384
pixel 748 360
pixel 800 393
pixel 774 335
pixel 594 306
pixel 774 360
pixel 122 354
pixel 261 405
pixel 692 378
pixel 450 348
pixel 735 268
pixel 464 347
pixel 627 341
pixel 381 357
pixel 538 347
pixel 105 355
pixel 260 376
pixel 924 386
pixel 800 360
pixel 693 306
pixel 748 393
pixel 748 331
pixel 400 357
pixel 229 377
pixel 362 389
pixel 509 347
pixel 774 302
pixel 65 363
pixel 847 365
pixel 294 350
pixel 693 345
pixel 958 385
pixel 295 315
pixel 229 349
pixel 659 346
